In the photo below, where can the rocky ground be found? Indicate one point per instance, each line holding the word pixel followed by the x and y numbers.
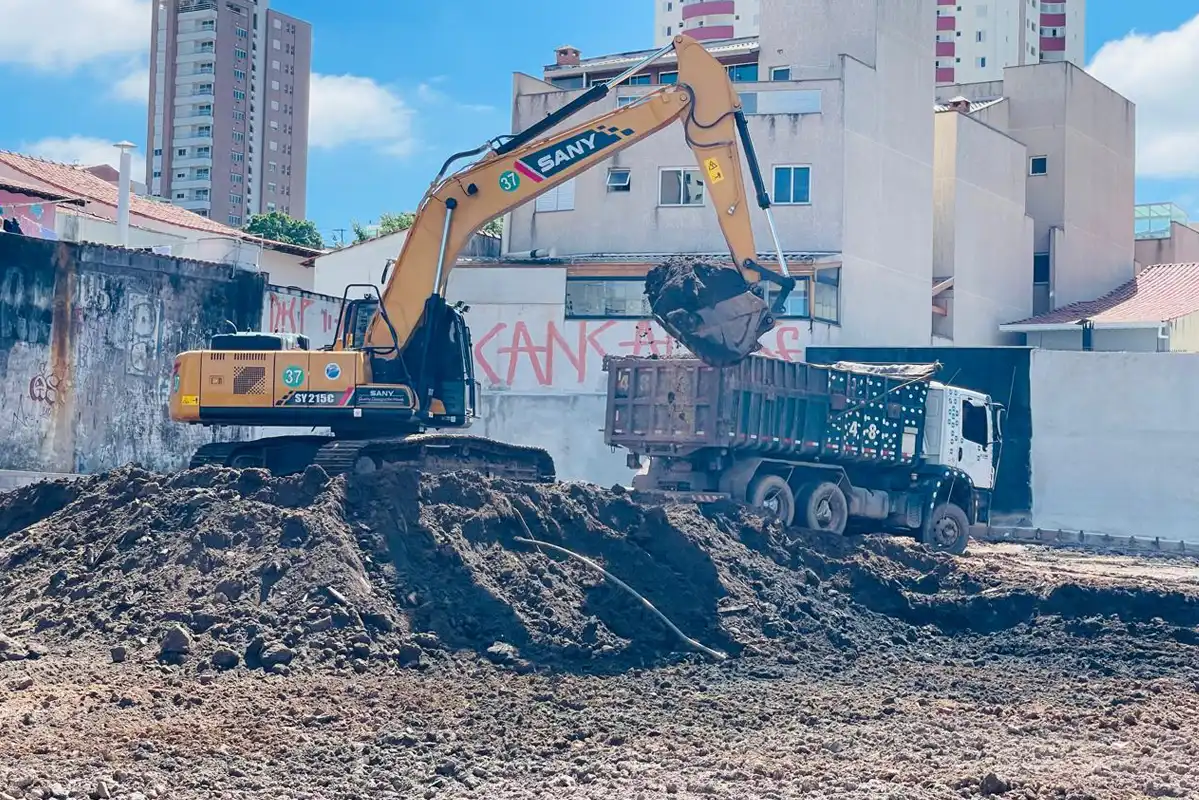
pixel 218 633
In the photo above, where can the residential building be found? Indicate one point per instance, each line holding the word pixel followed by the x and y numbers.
pixel 842 127
pixel 1080 183
pixel 90 214
pixel 1156 311
pixel 705 20
pixel 1164 235
pixel 973 40
pixel 982 235
pixel 33 208
pixel 228 113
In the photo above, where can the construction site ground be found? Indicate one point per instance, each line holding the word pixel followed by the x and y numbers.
pixel 218 633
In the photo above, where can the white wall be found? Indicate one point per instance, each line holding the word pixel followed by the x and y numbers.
pixel 359 263
pixel 1115 443
pixel 982 237
pixel 1134 340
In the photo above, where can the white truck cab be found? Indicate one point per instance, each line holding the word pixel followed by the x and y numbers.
pixel 960 431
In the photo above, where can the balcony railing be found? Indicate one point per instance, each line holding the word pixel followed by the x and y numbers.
pixel 189 6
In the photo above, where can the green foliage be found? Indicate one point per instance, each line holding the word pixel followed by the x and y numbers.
pixel 279 227
pixel 393 223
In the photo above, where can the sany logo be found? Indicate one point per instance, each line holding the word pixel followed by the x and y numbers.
pixel 551 160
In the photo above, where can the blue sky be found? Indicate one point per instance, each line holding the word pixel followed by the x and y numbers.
pixel 397 90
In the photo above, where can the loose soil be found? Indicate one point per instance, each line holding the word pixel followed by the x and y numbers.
pixel 680 288
pixel 225 633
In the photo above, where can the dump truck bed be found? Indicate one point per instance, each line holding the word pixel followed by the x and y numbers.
pixel 773 408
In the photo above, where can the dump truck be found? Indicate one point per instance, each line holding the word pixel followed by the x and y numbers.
pixel 829 448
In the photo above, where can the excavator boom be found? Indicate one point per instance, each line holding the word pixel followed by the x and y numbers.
pixel 724 330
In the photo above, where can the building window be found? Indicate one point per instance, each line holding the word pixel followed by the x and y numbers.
pixel 275 43
pixel 277 24
pixel 203 212
pixel 239 95
pixel 560 198
pixel 208 25
pixel 207 47
pixel 201 194
pixel 980 36
pixel 274 65
pixel 272 166
pixel 274 125
pixel 780 74
pixel 181 175
pixel 627 100
pixel 797 302
pixel 158 151
pixel 680 187
pixel 573 82
pixel 981 61
pixel 1040 283
pixel 238 158
pixel 270 206
pixel 204 88
pixel 668 77
pixel 242 33
pixel 239 74
pixel 1038 165
pixel 204 110
pixel 270 187
pixel 274 146
pixel 235 199
pixel 619 179
pixel 204 152
pixel 235 220
pixel 202 174
pixel 240 53
pixel 235 177
pixel 157 173
pixel 639 80
pixel 206 69
pixel 743 72
pixel 238 136
pixel 180 195
pixel 827 296
pixel 275 86
pixel 239 116
pixel 181 152
pixel 203 130
pixel 605 298
pixel 792 185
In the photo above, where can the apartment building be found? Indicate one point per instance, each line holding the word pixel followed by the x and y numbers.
pixel 228 111
pixel 1080 141
pixel 838 99
pixel 973 41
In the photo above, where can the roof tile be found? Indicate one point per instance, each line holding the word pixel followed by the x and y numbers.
pixel 1158 294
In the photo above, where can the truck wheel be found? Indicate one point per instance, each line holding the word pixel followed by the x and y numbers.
pixel 824 508
pixel 772 494
pixel 946 530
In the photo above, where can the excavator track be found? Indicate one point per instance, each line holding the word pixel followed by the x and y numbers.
pixel 426 452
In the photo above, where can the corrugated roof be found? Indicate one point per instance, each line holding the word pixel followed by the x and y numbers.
pixel 1160 293
pixel 718 47
pixel 78 182
pixel 975 105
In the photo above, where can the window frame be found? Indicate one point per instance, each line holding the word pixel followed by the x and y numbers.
pixel 774 73
pixel 618 186
pixel 703 195
pixel 816 283
pixel 637 281
pixel 774 184
pixel 1032 160
pixel 662 75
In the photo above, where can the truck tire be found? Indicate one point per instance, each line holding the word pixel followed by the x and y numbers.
pixel 947 529
pixel 773 495
pixel 823 507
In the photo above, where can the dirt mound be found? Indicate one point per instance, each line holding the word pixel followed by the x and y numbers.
pixel 221 567
pixel 682 292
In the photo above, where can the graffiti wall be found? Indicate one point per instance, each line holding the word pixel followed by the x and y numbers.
pixel 88 336
pixel 297 311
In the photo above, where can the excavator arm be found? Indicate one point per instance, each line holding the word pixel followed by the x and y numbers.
pixel 525 166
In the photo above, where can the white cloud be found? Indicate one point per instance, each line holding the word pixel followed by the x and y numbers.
pixel 85 151
pixel 427 94
pixel 134 86
pixel 63 34
pixel 348 109
pixel 1160 73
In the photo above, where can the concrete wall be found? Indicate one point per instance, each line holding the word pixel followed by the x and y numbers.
pixel 88 337
pixel 1184 334
pixel 1115 446
pixel 982 237
pixel 287 310
pixel 359 263
pixel 1131 340
pixel 1180 247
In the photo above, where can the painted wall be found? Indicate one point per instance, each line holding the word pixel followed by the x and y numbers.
pixel 1115 446
pixel 36 220
pixel 1134 340
pixel 1180 247
pixel 288 310
pixel 358 263
pixel 88 336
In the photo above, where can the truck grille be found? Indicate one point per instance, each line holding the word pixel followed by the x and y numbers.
pixel 249 380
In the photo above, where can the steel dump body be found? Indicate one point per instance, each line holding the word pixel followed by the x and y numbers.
pixel 768 407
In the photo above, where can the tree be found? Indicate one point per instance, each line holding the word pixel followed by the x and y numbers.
pixel 494 228
pixel 279 227
pixel 394 223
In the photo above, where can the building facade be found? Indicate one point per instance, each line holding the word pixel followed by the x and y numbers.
pixel 973 39
pixel 841 122
pixel 228 110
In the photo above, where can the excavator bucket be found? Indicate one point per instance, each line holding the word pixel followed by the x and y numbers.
pixel 709 309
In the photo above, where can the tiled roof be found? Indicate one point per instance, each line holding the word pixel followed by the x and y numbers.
pixel 1160 293
pixel 33 190
pixel 79 182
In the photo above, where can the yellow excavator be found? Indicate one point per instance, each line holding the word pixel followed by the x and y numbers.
pixel 401 363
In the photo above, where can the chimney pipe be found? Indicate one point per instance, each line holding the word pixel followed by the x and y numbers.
pixel 123 191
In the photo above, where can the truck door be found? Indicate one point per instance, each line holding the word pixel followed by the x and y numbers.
pixel 974 451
